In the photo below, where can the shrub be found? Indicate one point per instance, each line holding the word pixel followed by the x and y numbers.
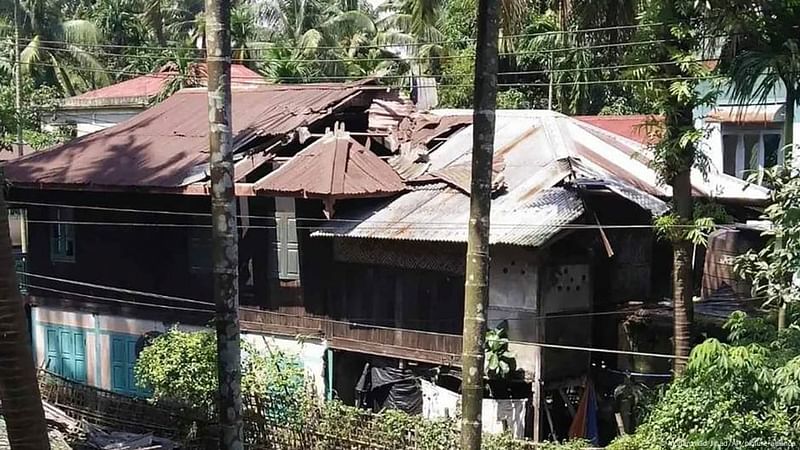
pixel 182 366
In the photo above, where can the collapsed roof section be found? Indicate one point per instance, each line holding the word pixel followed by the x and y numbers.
pixel 334 167
pixel 543 160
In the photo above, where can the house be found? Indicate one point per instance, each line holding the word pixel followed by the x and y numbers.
pixel 742 138
pixel 353 218
pixel 107 106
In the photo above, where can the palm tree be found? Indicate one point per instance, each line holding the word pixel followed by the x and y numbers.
pixel 19 389
pixel 761 55
pixel 57 51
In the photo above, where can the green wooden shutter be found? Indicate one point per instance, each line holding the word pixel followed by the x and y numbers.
pixel 288 248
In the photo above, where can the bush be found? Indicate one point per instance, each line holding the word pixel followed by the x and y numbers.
pixel 182 366
pixel 733 395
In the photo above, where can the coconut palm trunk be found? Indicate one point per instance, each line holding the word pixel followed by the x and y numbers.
pixel 19 390
pixel 682 286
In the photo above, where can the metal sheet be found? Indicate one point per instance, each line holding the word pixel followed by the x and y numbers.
pixel 161 146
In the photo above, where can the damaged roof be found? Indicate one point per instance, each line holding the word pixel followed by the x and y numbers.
pixel 167 145
pixel 546 158
pixel 334 167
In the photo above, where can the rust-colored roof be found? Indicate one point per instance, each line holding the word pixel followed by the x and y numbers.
pixel 166 144
pixel 139 90
pixel 637 128
pixel 748 115
pixel 334 167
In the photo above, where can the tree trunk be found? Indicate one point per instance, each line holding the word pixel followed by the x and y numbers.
pixel 788 143
pixel 682 285
pixel 224 234
pixel 476 293
pixel 19 389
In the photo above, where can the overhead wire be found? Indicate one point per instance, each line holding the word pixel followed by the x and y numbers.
pixel 431 226
pixel 431 57
pixel 250 81
pixel 349 323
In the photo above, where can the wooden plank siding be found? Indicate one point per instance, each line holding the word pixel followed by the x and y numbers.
pixel 401 312
pixel 436 348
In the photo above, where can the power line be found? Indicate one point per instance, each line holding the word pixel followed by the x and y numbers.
pixel 266 46
pixel 465 85
pixel 432 57
pixel 115 300
pixel 117 289
pixel 349 323
pixel 167 75
pixel 367 227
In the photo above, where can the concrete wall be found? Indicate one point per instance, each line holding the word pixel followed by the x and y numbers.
pixel 310 351
pixel 98 329
pixel 90 120
pixel 498 415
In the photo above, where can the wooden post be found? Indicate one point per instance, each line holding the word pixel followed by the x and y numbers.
pixel 224 234
pixel 476 293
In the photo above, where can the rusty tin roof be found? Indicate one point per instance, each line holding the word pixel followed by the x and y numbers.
pixel 334 167
pixel 545 153
pixel 165 145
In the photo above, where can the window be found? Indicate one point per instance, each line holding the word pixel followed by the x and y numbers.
pixel 62 235
pixel 286 244
pixel 748 150
pixel 200 259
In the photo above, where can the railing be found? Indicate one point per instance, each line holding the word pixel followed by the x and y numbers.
pixel 433 347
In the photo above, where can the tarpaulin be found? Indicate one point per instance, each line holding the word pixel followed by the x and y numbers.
pixel 382 388
pixel 584 425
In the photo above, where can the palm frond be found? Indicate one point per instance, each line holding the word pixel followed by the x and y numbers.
pixel 81 32
pixel 31 54
pixel 89 62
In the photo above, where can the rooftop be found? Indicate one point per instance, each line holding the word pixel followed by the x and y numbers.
pixel 166 146
pixel 140 90
pixel 547 159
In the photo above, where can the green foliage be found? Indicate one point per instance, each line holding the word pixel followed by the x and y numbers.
pixel 181 366
pixel 37 102
pixel 773 269
pixel 732 395
pixel 499 361
pixel 672 228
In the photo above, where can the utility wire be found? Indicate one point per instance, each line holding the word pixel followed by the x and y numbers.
pixel 115 300
pixel 117 289
pixel 371 227
pixel 435 57
pixel 234 77
pixel 464 85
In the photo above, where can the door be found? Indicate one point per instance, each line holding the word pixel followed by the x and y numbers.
pixel 66 352
pixel 123 359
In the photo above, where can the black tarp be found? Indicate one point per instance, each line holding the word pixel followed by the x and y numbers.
pixel 382 388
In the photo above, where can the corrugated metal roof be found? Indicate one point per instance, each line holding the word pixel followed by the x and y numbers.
pixel 441 216
pixel 335 167
pixel 743 115
pixel 542 151
pixel 638 127
pixel 162 146
pixel 139 90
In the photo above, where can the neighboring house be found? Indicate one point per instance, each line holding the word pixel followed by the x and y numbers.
pixel 110 105
pixel 353 229
pixel 744 138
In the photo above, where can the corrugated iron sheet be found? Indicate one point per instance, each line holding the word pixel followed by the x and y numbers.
pixel 141 89
pixel 543 152
pixel 441 216
pixel 336 166
pixel 161 146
